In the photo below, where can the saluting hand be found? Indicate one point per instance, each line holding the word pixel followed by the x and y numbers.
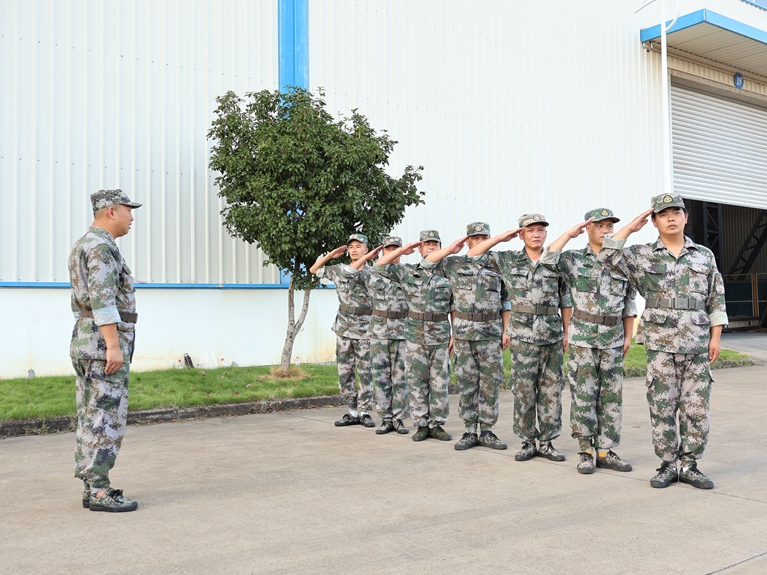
pixel 575 231
pixel 338 252
pixel 458 245
pixel 509 235
pixel 639 222
pixel 371 254
pixel 408 249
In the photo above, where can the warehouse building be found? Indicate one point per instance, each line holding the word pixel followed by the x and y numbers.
pixel 511 107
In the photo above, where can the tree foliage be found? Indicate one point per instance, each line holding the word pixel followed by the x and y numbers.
pixel 297 182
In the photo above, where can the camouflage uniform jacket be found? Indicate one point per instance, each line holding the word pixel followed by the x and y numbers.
pixel 427 291
pixel 386 296
pixel 351 289
pixel 594 289
pixel 532 285
pixel 101 282
pixel 656 273
pixel 476 289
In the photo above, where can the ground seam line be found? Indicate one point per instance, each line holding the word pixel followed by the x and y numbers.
pixel 736 564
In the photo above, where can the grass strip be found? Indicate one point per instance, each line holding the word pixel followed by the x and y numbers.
pixel 55 396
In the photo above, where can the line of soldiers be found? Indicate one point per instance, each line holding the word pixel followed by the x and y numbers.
pixel 398 325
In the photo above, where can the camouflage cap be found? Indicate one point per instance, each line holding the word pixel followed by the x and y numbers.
pixel 106 198
pixel 478 229
pixel 530 219
pixel 429 236
pixel 362 238
pixel 663 201
pixel 392 241
pixel 600 214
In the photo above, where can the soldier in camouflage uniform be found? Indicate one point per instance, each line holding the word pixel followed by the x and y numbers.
pixel 104 305
pixel 599 338
pixel 427 333
pixel 351 329
pixel 681 328
pixel 387 341
pixel 536 330
pixel 479 298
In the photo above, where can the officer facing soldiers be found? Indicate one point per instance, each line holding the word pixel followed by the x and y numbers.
pixel 479 298
pixel 599 338
pixel 681 328
pixel 351 329
pixel 387 341
pixel 536 330
pixel 104 305
pixel 427 333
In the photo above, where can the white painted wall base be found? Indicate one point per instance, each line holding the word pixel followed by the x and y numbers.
pixel 244 325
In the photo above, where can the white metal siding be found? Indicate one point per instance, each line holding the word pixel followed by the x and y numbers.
pixel 720 149
pixel 120 94
pixel 510 106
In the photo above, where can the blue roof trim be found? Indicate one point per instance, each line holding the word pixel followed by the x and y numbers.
pixel 709 17
pixel 755 4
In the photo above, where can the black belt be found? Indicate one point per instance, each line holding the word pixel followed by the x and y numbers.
pixel 390 314
pixel 427 316
pixel 676 303
pixel 535 309
pixel 354 310
pixel 601 319
pixel 126 316
pixel 478 316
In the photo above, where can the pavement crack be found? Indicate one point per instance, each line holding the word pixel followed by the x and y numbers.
pixel 738 563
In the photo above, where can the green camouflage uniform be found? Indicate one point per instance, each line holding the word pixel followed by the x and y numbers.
pixel 387 343
pixel 426 342
pixel 595 366
pixel 352 338
pixel 536 342
pixel 102 294
pixel 678 375
pixel 479 291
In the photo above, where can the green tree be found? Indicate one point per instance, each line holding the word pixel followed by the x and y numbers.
pixel 296 182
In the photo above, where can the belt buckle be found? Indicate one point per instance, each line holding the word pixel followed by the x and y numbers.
pixel 682 301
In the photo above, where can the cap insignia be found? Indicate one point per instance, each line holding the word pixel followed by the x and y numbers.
pixel 605 213
pixel 667 200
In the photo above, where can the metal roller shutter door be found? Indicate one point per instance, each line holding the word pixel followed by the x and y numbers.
pixel 720 149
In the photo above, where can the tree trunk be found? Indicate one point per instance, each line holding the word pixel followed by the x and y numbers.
pixel 293 326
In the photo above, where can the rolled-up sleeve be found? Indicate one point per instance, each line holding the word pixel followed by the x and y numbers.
pixel 103 283
pixel 715 305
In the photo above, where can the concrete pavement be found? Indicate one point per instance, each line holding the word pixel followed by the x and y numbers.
pixel 291 493
pixel 754 344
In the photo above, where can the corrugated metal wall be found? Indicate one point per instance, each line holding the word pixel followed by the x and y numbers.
pixel 510 106
pixel 120 94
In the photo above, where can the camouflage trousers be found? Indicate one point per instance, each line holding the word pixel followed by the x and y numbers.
pixel 426 369
pixel 536 380
pixel 678 384
pixel 388 366
pixel 351 354
pixel 102 412
pixel 479 369
pixel 596 388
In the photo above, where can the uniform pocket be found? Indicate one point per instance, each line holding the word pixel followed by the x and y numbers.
pixel 464 279
pixel 618 285
pixel 587 282
pixel 699 278
pixel 549 280
pixel 126 280
pixel 517 279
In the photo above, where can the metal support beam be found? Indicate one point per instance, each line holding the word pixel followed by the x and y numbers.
pixel 754 243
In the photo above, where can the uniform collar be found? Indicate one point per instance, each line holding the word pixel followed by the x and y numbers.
pixel 102 233
pixel 688 245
